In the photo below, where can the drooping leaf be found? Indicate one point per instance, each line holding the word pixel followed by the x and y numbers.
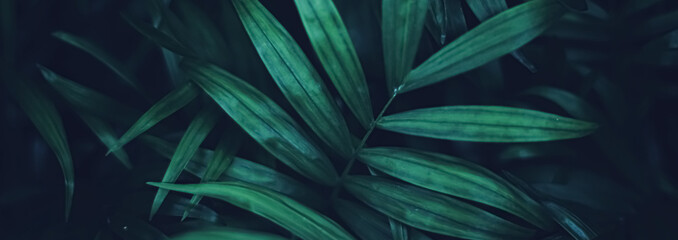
pixel 159 37
pixel 223 157
pixel 432 211
pixel 100 55
pixel 222 233
pixel 445 20
pixel 47 120
pixel 264 121
pixel 486 124
pixel 289 214
pixel 456 177
pixel 367 223
pixel 401 26
pixel 169 104
pixel 295 76
pixel 570 222
pixel 196 133
pixel 106 135
pixel 334 48
pixel 491 39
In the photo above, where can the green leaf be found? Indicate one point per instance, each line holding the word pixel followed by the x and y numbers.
pixel 401 25
pixel 100 55
pixel 456 177
pixel 169 104
pixel 196 133
pixel 398 230
pixel 221 233
pixel 200 33
pixel 367 223
pixel 491 39
pixel 264 120
pixel 223 157
pixel 106 135
pixel 446 20
pixel 332 43
pixel 571 103
pixel 570 222
pixel 295 76
pixel 486 124
pixel 289 214
pixel 432 211
pixel 46 119
pixel 158 37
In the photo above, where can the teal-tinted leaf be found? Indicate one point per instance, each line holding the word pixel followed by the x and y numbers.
pixel 398 230
pixel 432 211
pixel 223 157
pixel 456 177
pixel 158 37
pixel 332 43
pixel 264 120
pixel 223 233
pixel 169 104
pixel 241 170
pixel 570 222
pixel 86 100
pixel 576 5
pixel 367 223
pixel 293 216
pixel 197 131
pixel 571 103
pixel 46 119
pixel 100 55
pixel 491 39
pixel 486 124
pixel 401 25
pixel 445 20
pixel 294 74
pixel 106 135
pixel 200 33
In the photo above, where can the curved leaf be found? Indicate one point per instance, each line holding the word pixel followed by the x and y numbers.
pixel 264 120
pixel 432 211
pixel 570 222
pixel 196 133
pixel 159 37
pixel 106 135
pixel 491 39
pixel 332 43
pixel 446 20
pixel 295 76
pixel 456 177
pixel 367 223
pixel 571 103
pixel 293 216
pixel 486 124
pixel 402 22
pixel 221 233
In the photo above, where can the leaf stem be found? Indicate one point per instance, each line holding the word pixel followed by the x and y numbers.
pixel 360 146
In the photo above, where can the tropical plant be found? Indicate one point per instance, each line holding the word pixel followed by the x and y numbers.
pixel 321 119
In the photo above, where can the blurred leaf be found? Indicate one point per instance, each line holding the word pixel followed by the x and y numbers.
pixel 573 104
pixel 295 76
pixel 264 120
pixel 398 230
pixel 106 135
pixel 196 133
pixel 532 150
pixel 293 216
pixel 160 38
pixel 220 233
pixel 570 222
pixel 431 211
pixel 445 20
pixel 491 39
pixel 486 124
pixel 367 223
pixel 659 24
pixel 576 5
pixel 223 157
pixel 200 33
pixel 166 106
pixel 401 25
pixel 334 48
pixel 456 177
pixel 100 55
pixel 47 121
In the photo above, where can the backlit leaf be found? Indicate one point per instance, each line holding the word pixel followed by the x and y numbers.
pixel 570 222
pixel 222 233
pixel 486 124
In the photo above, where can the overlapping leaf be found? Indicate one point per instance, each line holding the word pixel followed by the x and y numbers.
pixel 293 216
pixel 432 211
pixel 491 39
pixel 335 50
pixel 367 223
pixel 295 76
pixel 445 20
pixel 401 26
pixel 160 38
pixel 106 135
pixel 264 121
pixel 197 131
pixel 486 124
pixel 456 177
pixel 221 233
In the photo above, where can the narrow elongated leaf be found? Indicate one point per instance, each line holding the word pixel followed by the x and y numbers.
pixel 46 119
pixel 367 223
pixel 486 124
pixel 160 38
pixel 491 39
pixel 223 157
pixel 398 230
pixel 106 135
pixel 222 233
pixel 432 211
pixel 295 76
pixel 197 131
pixel 264 120
pixel 446 20
pixel 456 177
pixel 402 22
pixel 570 222
pixel 169 104
pixel 571 103
pixel 331 42
pixel 200 33
pixel 293 216
pixel 100 55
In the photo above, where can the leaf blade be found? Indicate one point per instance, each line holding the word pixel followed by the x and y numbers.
pixel 217 233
